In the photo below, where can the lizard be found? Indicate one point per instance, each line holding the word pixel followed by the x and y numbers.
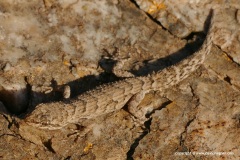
pixel 114 96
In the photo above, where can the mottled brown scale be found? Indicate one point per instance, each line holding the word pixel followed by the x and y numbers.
pixel 112 97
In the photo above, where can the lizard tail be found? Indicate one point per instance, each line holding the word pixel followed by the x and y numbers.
pixel 178 72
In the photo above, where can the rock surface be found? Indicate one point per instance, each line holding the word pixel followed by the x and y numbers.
pixel 48 46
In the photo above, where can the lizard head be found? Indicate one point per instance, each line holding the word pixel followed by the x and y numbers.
pixel 45 118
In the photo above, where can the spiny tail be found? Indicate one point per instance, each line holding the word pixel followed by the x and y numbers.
pixel 176 73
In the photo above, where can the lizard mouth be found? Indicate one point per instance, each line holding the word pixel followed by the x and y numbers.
pixel 43 125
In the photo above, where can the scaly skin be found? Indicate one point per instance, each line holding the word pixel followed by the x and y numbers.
pixel 114 96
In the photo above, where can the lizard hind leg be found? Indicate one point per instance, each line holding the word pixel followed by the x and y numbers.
pixel 143 105
pixel 138 108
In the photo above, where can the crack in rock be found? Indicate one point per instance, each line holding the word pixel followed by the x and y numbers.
pixel 147 130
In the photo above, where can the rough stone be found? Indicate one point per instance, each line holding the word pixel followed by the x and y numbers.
pixel 46 45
